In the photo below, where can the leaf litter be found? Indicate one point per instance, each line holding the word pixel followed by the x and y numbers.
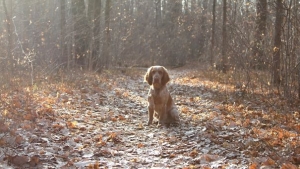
pixel 99 121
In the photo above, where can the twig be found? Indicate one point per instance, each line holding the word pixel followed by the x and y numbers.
pixel 29 56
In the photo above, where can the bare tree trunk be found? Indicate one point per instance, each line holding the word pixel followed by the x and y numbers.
pixel 277 42
pixel 213 33
pixel 9 36
pixel 203 40
pixel 106 45
pixel 91 8
pixel 224 42
pixel 63 34
pixel 296 43
pixel 81 37
pixel 174 58
pixel 158 21
pixel 164 7
pixel 261 25
pixel 97 32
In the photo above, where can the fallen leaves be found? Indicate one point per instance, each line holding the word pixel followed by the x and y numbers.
pixel 72 124
pixel 194 153
pixel 99 121
pixel 3 127
pixel 112 136
pixel 253 166
pixel 17 160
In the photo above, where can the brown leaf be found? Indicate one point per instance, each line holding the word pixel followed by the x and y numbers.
pixel 57 126
pixel 121 117
pixel 297 128
pixel 172 155
pixel 34 161
pixel 269 161
pixel 72 124
pixel 253 166
pixel 96 165
pixel 140 145
pixel 140 127
pixel 194 153
pixel 209 158
pixel 113 137
pixel 82 128
pixel 17 160
pixel 288 166
pixel 3 127
pixel 29 116
pixel 2 142
pixel 295 159
pixel 184 109
pixel 114 119
pixel 84 90
pixel 19 139
pixel 98 138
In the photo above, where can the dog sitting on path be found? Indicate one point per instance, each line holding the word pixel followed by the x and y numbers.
pixel 160 102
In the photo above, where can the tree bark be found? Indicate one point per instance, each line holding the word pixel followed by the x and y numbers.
pixel 224 40
pixel 261 25
pixel 106 46
pixel 213 29
pixel 9 36
pixel 81 31
pixel 277 43
pixel 97 31
pixel 63 48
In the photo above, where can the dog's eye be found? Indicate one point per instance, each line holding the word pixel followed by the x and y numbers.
pixel 160 72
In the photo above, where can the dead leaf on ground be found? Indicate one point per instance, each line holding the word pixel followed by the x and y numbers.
pixel 17 160
pixel 288 166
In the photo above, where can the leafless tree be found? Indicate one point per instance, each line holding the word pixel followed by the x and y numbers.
pixel 258 60
pixel 213 33
pixel 277 42
pixel 224 39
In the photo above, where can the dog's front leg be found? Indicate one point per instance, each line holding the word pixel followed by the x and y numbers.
pixel 163 116
pixel 150 114
pixel 150 110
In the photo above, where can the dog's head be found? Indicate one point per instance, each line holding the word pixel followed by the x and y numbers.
pixel 157 76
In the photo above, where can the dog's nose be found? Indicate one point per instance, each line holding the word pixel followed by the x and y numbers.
pixel 156 80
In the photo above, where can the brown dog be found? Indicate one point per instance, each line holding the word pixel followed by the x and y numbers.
pixel 159 98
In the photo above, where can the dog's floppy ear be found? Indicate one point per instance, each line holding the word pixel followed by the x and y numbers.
pixel 148 76
pixel 166 78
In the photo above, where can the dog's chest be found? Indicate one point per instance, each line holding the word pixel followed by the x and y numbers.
pixel 160 98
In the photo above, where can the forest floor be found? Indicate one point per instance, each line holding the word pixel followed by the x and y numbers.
pixel 99 121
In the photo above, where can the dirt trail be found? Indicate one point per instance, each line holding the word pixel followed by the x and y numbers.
pixel 102 123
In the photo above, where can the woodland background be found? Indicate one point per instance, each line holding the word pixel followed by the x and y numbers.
pixel 256 40
pixel 72 91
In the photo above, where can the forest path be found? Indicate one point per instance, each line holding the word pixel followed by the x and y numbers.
pixel 100 122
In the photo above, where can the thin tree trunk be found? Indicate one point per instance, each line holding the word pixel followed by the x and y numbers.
pixel 106 45
pixel 277 43
pixel 91 9
pixel 261 25
pixel 213 33
pixel 224 42
pixel 97 31
pixel 81 31
pixel 63 34
pixel 158 21
pixel 9 36
pixel 296 43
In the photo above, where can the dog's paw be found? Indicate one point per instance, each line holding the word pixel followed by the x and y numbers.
pixel 149 123
pixel 163 125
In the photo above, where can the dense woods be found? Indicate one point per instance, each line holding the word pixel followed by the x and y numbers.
pixel 250 38
pixel 72 92
pixel 246 37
